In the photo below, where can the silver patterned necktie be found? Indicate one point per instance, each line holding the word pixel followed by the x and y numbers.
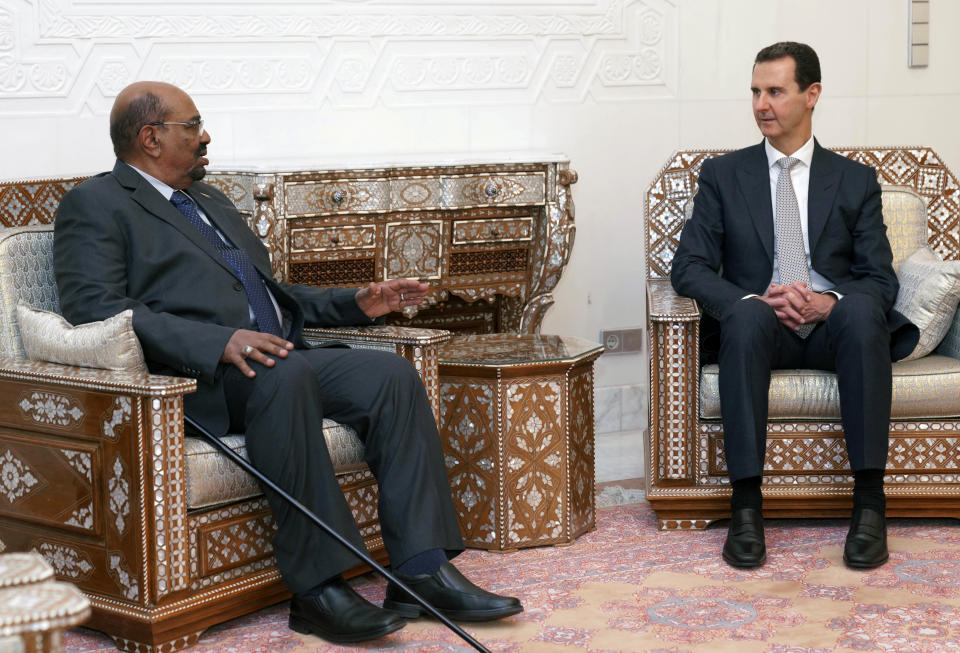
pixel 791 254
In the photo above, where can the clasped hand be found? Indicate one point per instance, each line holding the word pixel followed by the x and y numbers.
pixel 795 304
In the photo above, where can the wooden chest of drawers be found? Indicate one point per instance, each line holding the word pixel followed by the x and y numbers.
pixel 496 232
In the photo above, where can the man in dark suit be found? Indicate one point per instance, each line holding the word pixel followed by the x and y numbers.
pixel 787 253
pixel 149 237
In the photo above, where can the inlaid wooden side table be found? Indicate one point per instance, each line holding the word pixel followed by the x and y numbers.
pixel 34 609
pixel 517 431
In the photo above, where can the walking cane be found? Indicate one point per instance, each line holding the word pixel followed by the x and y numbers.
pixel 247 467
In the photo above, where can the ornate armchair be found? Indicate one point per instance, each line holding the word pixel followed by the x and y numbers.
pixel 162 534
pixel 806 471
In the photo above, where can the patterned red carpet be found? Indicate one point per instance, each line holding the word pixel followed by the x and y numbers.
pixel 629 587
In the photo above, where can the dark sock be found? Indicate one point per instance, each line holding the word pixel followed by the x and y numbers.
pixel 425 562
pixel 313 591
pixel 746 494
pixel 868 490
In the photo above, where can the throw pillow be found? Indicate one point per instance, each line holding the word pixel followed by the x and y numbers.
pixel 109 344
pixel 928 297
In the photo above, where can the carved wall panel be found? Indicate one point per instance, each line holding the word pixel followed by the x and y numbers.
pixel 64 56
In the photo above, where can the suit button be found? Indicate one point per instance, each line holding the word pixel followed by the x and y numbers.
pixel 238 286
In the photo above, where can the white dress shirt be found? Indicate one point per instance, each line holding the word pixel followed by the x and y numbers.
pixel 800 176
pixel 167 192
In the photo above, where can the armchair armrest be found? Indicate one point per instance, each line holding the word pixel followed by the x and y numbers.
pixel 99 464
pixel 419 346
pixel 665 305
pixel 95 379
pixel 673 327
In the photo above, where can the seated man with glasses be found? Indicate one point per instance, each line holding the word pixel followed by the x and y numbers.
pixel 148 236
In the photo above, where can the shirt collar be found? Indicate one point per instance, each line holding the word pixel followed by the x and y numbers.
pixel 164 189
pixel 804 154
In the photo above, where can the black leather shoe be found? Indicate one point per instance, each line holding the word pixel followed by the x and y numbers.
pixel 340 615
pixel 866 545
pixel 745 546
pixel 452 595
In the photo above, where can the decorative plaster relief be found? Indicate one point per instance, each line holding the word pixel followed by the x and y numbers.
pixel 76 54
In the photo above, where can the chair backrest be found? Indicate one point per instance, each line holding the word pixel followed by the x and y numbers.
pixel 911 176
pixel 26 275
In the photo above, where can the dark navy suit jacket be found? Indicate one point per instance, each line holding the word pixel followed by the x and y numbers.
pixel 726 248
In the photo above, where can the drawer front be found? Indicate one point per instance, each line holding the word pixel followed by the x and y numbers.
pixel 468 232
pixel 339 238
pixel 479 190
pixel 416 193
pixel 337 196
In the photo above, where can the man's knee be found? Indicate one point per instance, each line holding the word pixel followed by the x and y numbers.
pixel 859 317
pixel 748 322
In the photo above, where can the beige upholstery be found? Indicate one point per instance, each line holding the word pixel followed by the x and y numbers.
pixel 928 387
pixel 26 274
pixel 213 480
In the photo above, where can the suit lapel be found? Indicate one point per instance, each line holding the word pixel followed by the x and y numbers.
pixel 753 176
pixel 236 232
pixel 153 202
pixel 824 182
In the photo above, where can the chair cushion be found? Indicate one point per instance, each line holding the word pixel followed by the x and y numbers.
pixel 928 297
pixel 213 479
pixel 108 344
pixel 905 215
pixel 926 388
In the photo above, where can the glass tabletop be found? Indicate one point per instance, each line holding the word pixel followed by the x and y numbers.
pixel 511 348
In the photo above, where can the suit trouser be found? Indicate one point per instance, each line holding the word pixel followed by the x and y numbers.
pixel 381 396
pixel 854 342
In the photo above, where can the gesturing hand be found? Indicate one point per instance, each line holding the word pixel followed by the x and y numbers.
pixel 254 345
pixel 381 298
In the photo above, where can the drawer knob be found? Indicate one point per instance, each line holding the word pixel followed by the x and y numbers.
pixel 339 196
pixel 492 190
pixel 494 233
pixel 335 239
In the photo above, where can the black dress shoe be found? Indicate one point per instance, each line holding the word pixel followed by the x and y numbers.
pixel 452 595
pixel 340 615
pixel 745 546
pixel 866 545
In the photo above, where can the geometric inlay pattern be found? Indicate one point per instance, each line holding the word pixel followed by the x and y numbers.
pixel 119 495
pixel 581 452
pixel 237 543
pixel 126 581
pixel 118 416
pixel 50 408
pixel 16 477
pixel 470 448
pixel 66 561
pixel 80 461
pixel 534 457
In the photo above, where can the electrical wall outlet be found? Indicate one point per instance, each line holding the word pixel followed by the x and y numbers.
pixel 622 341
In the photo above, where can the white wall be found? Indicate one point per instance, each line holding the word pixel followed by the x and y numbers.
pixel 617 85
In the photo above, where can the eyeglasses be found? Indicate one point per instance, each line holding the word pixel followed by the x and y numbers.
pixel 198 123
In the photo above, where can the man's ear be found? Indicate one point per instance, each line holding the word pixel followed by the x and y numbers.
pixel 813 94
pixel 149 141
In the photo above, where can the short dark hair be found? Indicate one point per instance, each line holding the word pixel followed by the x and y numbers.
pixel 807 64
pixel 142 109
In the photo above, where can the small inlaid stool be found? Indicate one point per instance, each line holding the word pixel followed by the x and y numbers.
pixel 517 431
pixel 34 609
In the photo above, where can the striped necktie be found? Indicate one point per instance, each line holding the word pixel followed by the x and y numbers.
pixel 263 310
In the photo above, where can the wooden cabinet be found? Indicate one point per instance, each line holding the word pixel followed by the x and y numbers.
pixel 492 238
